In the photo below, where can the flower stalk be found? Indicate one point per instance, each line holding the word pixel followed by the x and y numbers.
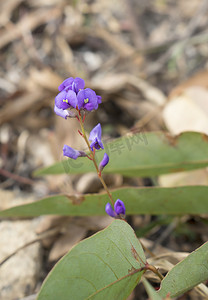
pixel 92 156
pixel 72 101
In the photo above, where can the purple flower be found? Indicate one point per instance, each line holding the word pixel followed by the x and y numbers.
pixel 66 99
pixel 75 85
pixel 95 138
pixel 119 209
pixel 72 153
pixel 104 162
pixel 87 99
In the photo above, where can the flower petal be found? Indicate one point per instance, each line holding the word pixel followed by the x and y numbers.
pixel 78 84
pixel 80 99
pixel 66 83
pixel 96 132
pixel 72 98
pixel 72 84
pixel 119 207
pixel 61 100
pixel 60 112
pixel 109 210
pixel 99 99
pixel 95 137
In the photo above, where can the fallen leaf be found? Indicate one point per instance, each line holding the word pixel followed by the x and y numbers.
pixel 188 112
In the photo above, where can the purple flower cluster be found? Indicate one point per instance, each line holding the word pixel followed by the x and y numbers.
pixel 73 95
pixel 119 209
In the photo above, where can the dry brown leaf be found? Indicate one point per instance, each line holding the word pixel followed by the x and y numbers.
pixel 40 3
pixel 51 222
pixel 6 10
pixel 46 78
pixel 64 244
pixel 165 259
pixel 61 223
pixel 165 262
pixel 28 23
pixel 116 82
pixel 38 147
pixel 88 183
pixel 22 104
pixel 93 223
pixel 188 112
pixel 113 41
pixel 48 222
pixel 199 292
pixel 196 177
pixel 199 79
pixel 65 133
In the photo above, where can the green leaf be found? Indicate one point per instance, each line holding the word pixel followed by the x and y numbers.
pixel 154 201
pixel 104 266
pixel 186 274
pixel 143 154
pixel 153 295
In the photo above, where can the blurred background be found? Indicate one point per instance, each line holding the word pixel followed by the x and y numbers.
pixel 148 61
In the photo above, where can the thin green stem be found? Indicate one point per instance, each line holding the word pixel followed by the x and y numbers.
pixel 94 161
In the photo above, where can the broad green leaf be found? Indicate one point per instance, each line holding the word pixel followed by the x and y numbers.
pixel 154 201
pixel 186 274
pixel 153 295
pixel 143 154
pixel 104 266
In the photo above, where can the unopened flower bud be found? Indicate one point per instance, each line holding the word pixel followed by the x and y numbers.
pixel 104 162
pixel 119 209
pixel 72 153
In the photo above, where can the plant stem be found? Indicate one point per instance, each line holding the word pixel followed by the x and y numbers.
pixel 93 159
pixel 154 270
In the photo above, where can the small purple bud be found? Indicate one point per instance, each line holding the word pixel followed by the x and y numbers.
pixel 104 162
pixel 109 210
pixel 72 153
pixel 119 207
pixel 95 137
